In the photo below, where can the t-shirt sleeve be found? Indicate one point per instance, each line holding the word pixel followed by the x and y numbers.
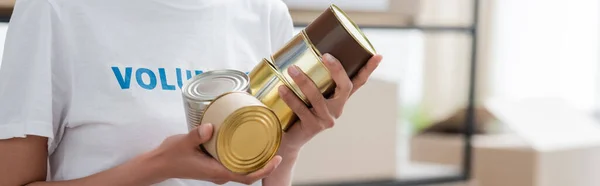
pixel 31 103
pixel 282 26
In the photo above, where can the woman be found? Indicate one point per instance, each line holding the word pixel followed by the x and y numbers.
pixel 90 90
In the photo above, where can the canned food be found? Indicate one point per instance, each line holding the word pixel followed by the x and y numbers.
pixel 300 52
pixel 260 75
pixel 201 89
pixel 335 33
pixel 246 133
pixel 265 82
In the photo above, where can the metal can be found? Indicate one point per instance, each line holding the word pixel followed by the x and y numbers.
pixel 247 134
pixel 335 33
pixel 299 51
pixel 265 81
pixel 202 89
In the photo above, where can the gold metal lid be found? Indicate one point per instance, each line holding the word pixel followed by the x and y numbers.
pixel 261 76
pixel 353 29
pixel 248 138
pixel 265 74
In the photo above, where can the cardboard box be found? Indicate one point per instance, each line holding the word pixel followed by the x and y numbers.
pixel 467 183
pixel 362 146
pixel 550 145
pixel 524 166
pixel 448 149
pixel 447 136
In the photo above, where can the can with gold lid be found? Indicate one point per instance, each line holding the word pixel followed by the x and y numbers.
pixel 201 89
pixel 265 81
pixel 246 133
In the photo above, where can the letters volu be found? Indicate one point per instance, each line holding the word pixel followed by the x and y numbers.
pixel 150 80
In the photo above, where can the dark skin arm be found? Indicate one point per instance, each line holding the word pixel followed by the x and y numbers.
pixel 23 161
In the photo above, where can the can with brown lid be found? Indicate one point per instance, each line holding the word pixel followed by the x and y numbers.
pixel 202 89
pixel 335 33
pixel 246 133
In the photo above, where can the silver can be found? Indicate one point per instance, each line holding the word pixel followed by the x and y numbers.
pixel 202 89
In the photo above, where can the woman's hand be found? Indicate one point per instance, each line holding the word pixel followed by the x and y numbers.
pixel 324 111
pixel 180 157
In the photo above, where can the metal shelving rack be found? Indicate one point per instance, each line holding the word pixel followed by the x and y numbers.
pixel 469 125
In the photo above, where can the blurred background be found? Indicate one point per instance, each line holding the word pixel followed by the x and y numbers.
pixel 537 95
pixel 537 89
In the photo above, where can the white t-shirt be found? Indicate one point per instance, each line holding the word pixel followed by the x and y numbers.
pixel 102 78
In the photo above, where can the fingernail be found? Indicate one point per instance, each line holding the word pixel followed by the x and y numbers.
pixel 282 90
pixel 294 70
pixel 280 159
pixel 329 58
pixel 200 130
pixel 380 59
pixel 203 128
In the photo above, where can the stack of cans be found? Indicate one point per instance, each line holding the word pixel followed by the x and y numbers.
pixel 332 32
pixel 246 133
pixel 202 89
pixel 247 112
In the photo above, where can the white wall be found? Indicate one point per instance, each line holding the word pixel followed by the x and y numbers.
pixel 396 83
pixel 403 53
pixel 547 48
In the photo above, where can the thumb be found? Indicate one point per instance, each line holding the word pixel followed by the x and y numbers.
pixel 201 134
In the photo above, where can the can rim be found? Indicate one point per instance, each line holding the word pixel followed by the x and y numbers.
pixel 315 51
pixel 285 81
pixel 334 8
pixel 269 110
pixel 319 57
pixel 208 73
pixel 216 98
pixel 273 150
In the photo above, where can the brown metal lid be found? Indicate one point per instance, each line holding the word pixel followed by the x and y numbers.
pixel 353 29
pixel 335 33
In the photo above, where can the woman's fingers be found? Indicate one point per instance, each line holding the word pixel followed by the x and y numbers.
pixel 259 174
pixel 309 89
pixel 201 134
pixel 222 175
pixel 363 75
pixel 340 77
pixel 343 85
pixel 295 104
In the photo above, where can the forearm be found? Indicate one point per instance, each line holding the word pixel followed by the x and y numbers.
pixel 282 176
pixel 140 171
